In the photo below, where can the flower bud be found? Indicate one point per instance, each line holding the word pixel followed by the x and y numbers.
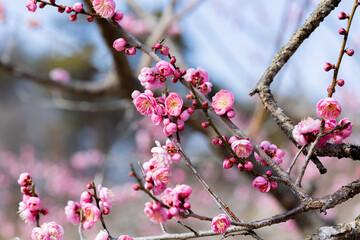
pixel 342 31
pixel 328 66
pixel 350 52
pixel 342 15
pixel 205 124
pixel 118 16
pixel 130 51
pixel 340 82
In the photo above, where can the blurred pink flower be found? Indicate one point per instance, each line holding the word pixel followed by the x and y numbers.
pixel 72 212
pixel 38 234
pixel 102 235
pixel 125 237
pixel 106 8
pixel 53 230
pixel 31 5
pixel 155 212
pixel 220 223
pixel 60 75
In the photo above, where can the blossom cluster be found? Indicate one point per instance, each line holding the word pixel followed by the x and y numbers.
pixel 48 231
pixel 103 8
pixel 305 132
pixel 157 169
pixel 30 206
pixel 177 199
pixel 91 206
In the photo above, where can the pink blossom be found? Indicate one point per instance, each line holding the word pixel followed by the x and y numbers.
pixel 262 184
pixel 106 8
pixel 220 223
pixel 78 7
pixel 86 197
pixel 31 5
pixel 170 198
pixel 183 191
pixel 173 104
pixel 53 230
pixel 272 151
pixel 125 237
pixel 130 50
pixel 161 176
pixel 222 102
pixel 72 212
pixel 150 79
pixel 105 196
pixel 155 212
pixel 119 44
pixel 170 129
pixel 60 75
pixel 91 215
pixel 340 135
pixel 145 103
pixel 305 131
pixel 33 204
pixel 161 156
pixel 165 68
pixel 118 16
pixel 102 235
pixel 328 108
pixel 243 148
pixel 24 179
pixel 199 78
pixel 38 234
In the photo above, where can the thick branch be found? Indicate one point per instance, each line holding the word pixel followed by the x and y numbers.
pixel 340 231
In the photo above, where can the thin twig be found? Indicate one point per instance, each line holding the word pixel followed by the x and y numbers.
pixel 295 158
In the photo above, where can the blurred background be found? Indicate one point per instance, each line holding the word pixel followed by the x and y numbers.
pixel 66 139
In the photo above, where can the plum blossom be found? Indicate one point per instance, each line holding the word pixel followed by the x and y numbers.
pixel 305 131
pixel 78 7
pixel 170 198
pixel 161 178
pixel 53 230
pixel 31 5
pixel 72 212
pixel 263 184
pixel 242 147
pixel 91 215
pixel 220 223
pixel 165 68
pixel 173 104
pixel 199 78
pixel 86 197
pixel 38 234
pixel 102 235
pixel 222 102
pixel 145 102
pixel 272 151
pixel 170 128
pixel 150 79
pixel 155 212
pixel 33 204
pixel 105 196
pixel 328 108
pixel 106 8
pixel 24 179
pixel 118 16
pixel 341 134
pixel 161 156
